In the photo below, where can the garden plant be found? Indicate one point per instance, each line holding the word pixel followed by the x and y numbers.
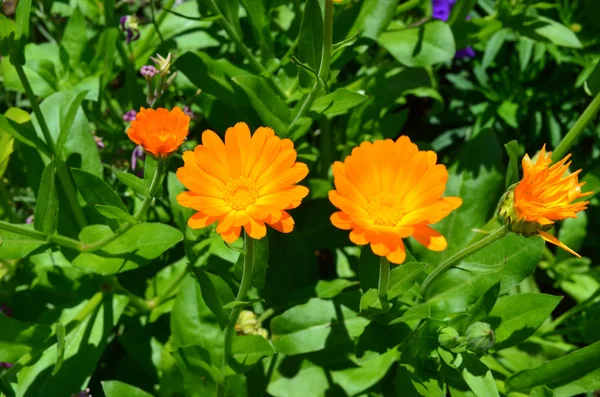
pixel 299 198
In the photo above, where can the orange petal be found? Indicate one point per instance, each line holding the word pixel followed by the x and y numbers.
pixel 398 254
pixel 199 220
pixel 551 239
pixel 226 222
pixel 231 235
pixel 341 220
pixel 285 224
pixel 430 238
pixel 256 230
pixel 358 236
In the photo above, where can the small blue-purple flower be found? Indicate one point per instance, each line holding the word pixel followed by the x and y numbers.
pixel 137 154
pixel 129 25
pixel 129 116
pixel 148 71
pixel 441 10
pixel 188 112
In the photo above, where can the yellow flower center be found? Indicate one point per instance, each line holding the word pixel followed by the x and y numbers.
pixel 163 135
pixel 386 210
pixel 240 193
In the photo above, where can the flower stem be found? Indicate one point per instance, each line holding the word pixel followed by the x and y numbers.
pixel 384 281
pixel 456 258
pixel 235 313
pixel 325 63
pixel 586 117
pixel 63 174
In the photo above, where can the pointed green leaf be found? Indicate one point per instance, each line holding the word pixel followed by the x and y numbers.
pixel 46 207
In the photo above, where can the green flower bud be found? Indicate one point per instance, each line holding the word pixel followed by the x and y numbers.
pixel 480 337
pixel 448 338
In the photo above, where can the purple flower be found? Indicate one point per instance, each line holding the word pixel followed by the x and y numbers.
pixel 28 221
pixel 467 52
pixel 99 142
pixel 148 71
pixel 138 153
pixel 129 25
pixel 129 116
pixel 188 112
pixel 6 365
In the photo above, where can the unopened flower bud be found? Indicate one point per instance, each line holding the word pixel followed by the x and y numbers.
pixel 480 337
pixel 163 64
pixel 148 71
pixel 129 25
pixel 448 338
pixel 508 215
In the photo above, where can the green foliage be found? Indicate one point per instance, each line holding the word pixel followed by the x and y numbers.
pixel 103 285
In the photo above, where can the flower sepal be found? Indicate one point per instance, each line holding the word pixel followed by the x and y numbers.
pixel 508 215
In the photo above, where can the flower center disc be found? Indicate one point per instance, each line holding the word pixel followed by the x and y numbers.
pixel 240 193
pixel 386 210
pixel 163 135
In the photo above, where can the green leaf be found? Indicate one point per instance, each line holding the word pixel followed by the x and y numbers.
pixel 314 326
pixel 6 149
pixel 131 250
pixel 112 212
pixel 216 293
pixel 542 391
pixel 374 17
pixel 114 388
pixel 592 84
pixel 478 376
pixel 310 41
pixel 138 185
pixel 272 110
pixel 403 277
pixel 575 373
pixel 356 380
pixel 95 191
pixel 247 350
pixel 592 182
pixel 492 47
pixel 260 20
pixel 572 233
pixel 327 289
pixel 16 245
pixel 426 45
pixel 46 207
pixel 22 19
pixel 74 37
pixel 515 318
pixel 260 260
pixel 60 346
pixel 22 131
pixel 18 338
pixel 234 304
pixel 368 269
pixel 512 171
pixel 371 305
pixel 518 257
pixel 338 102
pixel 67 122
pixel 546 30
pixel 415 382
pixel 84 345
pixel 80 150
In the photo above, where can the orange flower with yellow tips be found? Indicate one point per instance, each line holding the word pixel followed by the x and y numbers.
pixel 387 191
pixel 160 132
pixel 247 181
pixel 546 194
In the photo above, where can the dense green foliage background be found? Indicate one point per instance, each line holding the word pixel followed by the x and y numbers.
pixel 148 310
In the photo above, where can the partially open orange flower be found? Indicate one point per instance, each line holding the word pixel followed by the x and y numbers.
pixel 543 196
pixel 248 181
pixel 388 191
pixel 160 132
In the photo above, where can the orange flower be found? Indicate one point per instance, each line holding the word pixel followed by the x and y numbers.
pixel 159 131
pixel 545 195
pixel 248 181
pixel 388 191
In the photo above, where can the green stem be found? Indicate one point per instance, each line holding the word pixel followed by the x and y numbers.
pixel 35 106
pixel 456 258
pixel 235 313
pixel 409 5
pixel 569 140
pixel 384 280
pixel 149 39
pixel 56 239
pixel 135 300
pixel 63 173
pixel 323 67
pixel 157 300
pixel 239 44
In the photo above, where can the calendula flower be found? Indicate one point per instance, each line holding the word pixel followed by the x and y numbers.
pixel 546 194
pixel 387 191
pixel 160 132
pixel 248 181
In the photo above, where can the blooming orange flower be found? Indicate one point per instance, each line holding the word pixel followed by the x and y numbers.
pixel 546 194
pixel 248 181
pixel 388 191
pixel 159 131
